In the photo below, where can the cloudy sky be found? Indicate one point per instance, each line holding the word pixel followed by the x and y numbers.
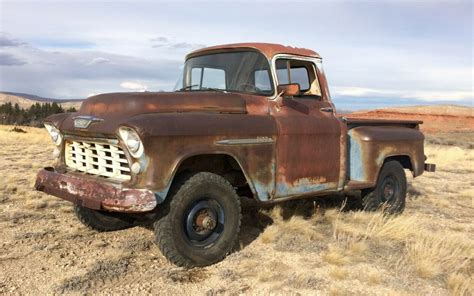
pixel 376 53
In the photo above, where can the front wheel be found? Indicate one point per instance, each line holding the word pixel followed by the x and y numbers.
pixel 390 190
pixel 201 223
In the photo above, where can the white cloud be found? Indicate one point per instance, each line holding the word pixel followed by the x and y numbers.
pixel 98 61
pixel 423 95
pixel 73 74
pixel 433 96
pixel 166 42
pixel 361 91
pixel 134 85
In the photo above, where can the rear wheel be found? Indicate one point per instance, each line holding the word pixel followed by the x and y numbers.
pixel 201 223
pixel 103 221
pixel 390 191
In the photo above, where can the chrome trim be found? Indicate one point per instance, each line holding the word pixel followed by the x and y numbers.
pixel 251 141
pixel 84 121
pixel 99 140
pixel 292 57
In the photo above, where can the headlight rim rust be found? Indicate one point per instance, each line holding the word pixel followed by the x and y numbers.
pixel 52 131
pixel 128 134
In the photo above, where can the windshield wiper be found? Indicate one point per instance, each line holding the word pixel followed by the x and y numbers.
pixel 189 87
pixel 214 89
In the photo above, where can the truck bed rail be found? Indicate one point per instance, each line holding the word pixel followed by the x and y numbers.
pixel 354 122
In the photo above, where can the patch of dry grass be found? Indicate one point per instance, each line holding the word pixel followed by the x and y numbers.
pixel 306 250
pixel 338 273
pixel 433 255
pixel 414 244
pixel 460 284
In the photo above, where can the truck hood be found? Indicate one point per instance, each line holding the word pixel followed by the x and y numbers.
pixel 114 109
pixel 128 104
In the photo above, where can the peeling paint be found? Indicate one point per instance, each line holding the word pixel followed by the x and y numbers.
pixel 94 194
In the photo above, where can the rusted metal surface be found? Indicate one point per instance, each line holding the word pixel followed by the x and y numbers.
pixel 57 119
pixel 306 158
pixel 286 148
pixel 369 146
pixel 177 137
pixel 268 49
pixel 94 194
pixel 354 122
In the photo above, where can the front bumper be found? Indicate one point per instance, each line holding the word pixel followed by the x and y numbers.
pixel 94 194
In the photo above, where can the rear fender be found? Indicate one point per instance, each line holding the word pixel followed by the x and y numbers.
pixel 370 146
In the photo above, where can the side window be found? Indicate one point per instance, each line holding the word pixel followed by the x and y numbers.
pixel 300 75
pixel 207 78
pixel 262 80
pixel 301 72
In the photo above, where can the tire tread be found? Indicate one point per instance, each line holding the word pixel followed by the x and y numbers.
pixel 163 228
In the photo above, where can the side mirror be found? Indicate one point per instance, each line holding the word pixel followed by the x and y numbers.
pixel 289 90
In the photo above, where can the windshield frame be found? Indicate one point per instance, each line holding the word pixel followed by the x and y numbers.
pixel 270 94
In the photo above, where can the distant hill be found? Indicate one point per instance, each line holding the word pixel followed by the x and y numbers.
pixel 436 118
pixel 446 110
pixel 26 100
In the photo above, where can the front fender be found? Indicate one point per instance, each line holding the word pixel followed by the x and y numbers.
pixel 57 119
pixel 169 139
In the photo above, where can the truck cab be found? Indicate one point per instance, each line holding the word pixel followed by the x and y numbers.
pixel 251 120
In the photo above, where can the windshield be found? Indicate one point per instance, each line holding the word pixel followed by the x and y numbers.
pixel 244 71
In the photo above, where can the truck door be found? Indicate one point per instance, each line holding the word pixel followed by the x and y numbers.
pixel 308 145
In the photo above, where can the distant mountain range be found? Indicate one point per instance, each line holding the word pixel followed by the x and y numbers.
pixel 26 100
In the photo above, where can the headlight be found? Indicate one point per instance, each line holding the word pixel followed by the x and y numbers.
pixel 132 141
pixel 54 133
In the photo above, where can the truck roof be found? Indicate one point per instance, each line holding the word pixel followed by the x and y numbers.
pixel 268 49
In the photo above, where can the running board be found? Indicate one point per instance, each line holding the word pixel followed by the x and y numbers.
pixel 357 185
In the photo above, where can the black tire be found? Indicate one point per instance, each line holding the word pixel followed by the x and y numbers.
pixel 188 243
pixel 390 191
pixel 103 221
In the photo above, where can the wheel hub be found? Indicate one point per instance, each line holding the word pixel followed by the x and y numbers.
pixel 204 222
pixel 389 189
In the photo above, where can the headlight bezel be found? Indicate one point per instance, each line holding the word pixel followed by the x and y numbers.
pixel 132 141
pixel 54 133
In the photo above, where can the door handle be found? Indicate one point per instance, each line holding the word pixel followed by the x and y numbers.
pixel 326 109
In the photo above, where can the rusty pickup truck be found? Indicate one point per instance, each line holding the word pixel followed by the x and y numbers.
pixel 250 120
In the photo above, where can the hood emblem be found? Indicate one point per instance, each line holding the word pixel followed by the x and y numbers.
pixel 84 121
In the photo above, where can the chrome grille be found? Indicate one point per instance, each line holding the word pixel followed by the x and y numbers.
pixel 102 159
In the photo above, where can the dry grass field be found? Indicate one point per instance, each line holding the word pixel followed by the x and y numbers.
pixel 303 248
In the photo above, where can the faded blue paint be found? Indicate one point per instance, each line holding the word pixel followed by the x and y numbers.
pixel 355 162
pixel 284 189
pixel 161 195
pixel 261 191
